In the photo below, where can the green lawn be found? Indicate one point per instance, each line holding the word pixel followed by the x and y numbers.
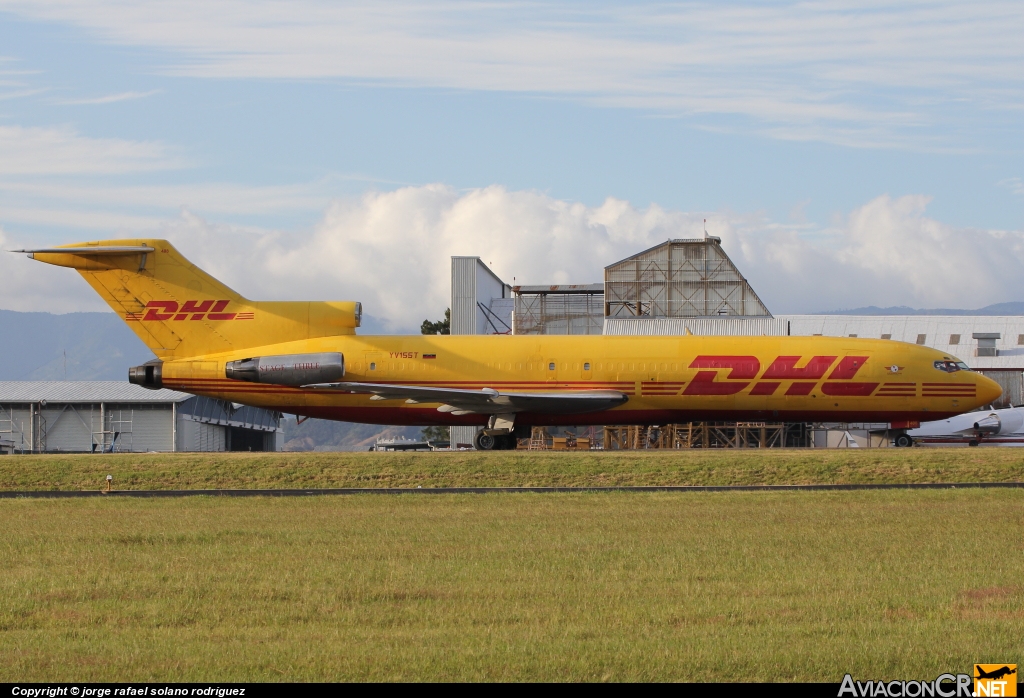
pixel 599 586
pixel 696 467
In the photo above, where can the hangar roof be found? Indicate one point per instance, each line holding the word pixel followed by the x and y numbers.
pixel 85 391
pixel 560 288
pixel 936 331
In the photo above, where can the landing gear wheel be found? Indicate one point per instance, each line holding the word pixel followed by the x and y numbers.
pixel 484 442
pixel 973 442
pixel 903 441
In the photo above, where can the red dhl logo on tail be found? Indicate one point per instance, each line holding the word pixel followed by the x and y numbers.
pixel 744 369
pixel 197 310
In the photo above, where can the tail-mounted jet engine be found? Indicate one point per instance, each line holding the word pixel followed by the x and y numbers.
pixel 148 375
pixel 1004 422
pixel 289 369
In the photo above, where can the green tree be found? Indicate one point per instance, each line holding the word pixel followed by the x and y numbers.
pixel 439 327
pixel 435 434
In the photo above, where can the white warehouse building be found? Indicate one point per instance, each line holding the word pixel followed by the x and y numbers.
pixel 114 416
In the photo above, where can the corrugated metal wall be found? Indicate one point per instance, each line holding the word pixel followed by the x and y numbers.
pixel 76 427
pixel 1011 383
pixel 199 436
pixel 466 316
pixel 70 428
pixel 951 334
pixel 151 427
pixel 464 310
pixel 141 427
pixel 15 424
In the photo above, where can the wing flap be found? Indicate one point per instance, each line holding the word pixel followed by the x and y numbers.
pixel 486 400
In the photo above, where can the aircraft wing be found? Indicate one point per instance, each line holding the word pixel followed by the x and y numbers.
pixel 487 400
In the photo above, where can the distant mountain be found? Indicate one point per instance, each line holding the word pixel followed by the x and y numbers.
pixel 325 435
pixel 1012 308
pixel 75 346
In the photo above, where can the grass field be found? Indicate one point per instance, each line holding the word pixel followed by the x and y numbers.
pixel 608 586
pixel 697 467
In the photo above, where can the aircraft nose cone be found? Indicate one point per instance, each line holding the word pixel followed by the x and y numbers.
pixel 988 390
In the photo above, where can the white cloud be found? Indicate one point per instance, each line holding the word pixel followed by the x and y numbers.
pixel 33 287
pixel 51 201
pixel 1014 184
pixel 108 99
pixel 391 251
pixel 40 150
pixel 847 72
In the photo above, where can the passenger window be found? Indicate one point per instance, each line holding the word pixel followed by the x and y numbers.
pixel 586 366
pixel 551 366
pixel 373 366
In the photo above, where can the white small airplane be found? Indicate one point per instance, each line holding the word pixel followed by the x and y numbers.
pixel 1004 427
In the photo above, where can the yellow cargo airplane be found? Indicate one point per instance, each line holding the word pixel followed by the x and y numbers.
pixel 304 358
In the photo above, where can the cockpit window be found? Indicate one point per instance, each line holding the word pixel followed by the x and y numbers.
pixel 951 366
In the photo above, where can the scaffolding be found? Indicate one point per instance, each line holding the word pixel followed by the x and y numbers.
pixel 540 440
pixel 115 432
pixel 680 278
pixel 11 431
pixel 706 435
pixel 559 309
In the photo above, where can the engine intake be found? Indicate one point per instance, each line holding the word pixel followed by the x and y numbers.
pixel 288 369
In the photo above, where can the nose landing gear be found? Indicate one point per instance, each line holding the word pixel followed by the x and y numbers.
pixel 903 441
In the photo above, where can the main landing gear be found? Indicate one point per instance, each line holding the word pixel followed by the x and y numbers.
pixel 500 434
pixel 494 442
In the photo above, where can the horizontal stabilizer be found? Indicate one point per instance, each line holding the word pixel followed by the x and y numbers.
pixel 91 250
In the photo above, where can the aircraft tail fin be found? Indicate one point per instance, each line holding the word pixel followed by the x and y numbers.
pixel 179 310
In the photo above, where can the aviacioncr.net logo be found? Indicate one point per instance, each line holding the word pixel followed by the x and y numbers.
pixel 944 686
pixel 995 680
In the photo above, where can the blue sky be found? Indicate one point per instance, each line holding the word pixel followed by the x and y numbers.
pixel 808 134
